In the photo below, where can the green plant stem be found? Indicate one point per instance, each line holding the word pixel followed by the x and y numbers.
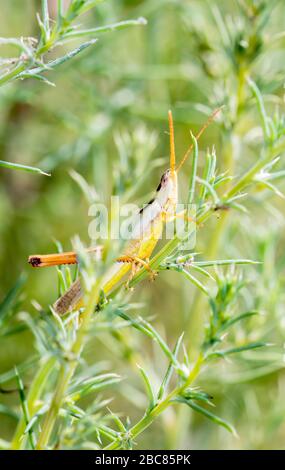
pixel 65 374
pixel 149 417
pixel 241 88
pixel 67 369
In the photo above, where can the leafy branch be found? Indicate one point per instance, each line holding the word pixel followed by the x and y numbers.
pixel 32 61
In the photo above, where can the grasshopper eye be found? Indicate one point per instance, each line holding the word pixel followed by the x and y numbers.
pixel 163 180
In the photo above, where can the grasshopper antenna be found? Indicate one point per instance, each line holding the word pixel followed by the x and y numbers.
pixel 172 145
pixel 201 131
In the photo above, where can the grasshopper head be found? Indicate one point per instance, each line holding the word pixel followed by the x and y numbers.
pixel 167 189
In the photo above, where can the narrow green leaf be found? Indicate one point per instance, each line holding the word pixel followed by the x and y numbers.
pixel 276 175
pixel 45 14
pixel 43 33
pixel 40 78
pixel 208 173
pixel 239 349
pixel 137 324
pixel 88 191
pixel 195 281
pixel 148 387
pixel 118 422
pixel 225 262
pixel 214 418
pixel 236 319
pixel 272 188
pixel 192 183
pixel 156 336
pixel 221 180
pixel 261 108
pixel 90 4
pixel 61 60
pixel 170 369
pixel 87 386
pixel 25 410
pixel 186 273
pixel 18 166
pixel 43 343
pixel 199 395
pixel 104 29
pixel 7 303
pixel 59 13
pixel 210 188
pixel 108 432
pixel 202 271
pixel 74 411
pixel 36 417
pixel 61 281
pixel 205 176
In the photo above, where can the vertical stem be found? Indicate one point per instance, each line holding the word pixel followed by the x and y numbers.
pixel 241 88
pixel 192 183
pixel 45 14
pixel 67 370
pixel 59 13
pixel 65 374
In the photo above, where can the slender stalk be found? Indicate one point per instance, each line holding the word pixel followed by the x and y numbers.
pixel 193 175
pixel 67 370
pixel 65 374
pixel 45 14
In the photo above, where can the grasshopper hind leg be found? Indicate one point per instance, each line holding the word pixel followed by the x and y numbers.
pixel 70 300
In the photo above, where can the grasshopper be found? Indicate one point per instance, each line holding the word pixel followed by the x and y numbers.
pixel 145 235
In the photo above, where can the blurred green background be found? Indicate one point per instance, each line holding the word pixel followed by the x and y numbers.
pixel 110 106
